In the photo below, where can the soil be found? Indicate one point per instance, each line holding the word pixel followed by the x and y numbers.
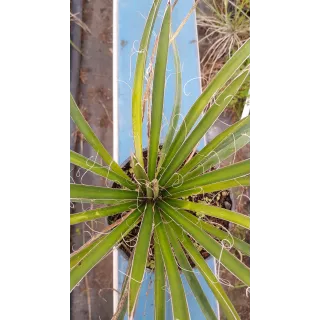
pixel 219 199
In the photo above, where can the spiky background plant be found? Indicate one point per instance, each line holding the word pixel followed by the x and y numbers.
pixel 153 200
pixel 227 26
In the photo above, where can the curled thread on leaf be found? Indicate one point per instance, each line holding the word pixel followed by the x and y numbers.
pixel 129 277
pixel 88 232
pixel 90 167
pixel 184 87
pixel 176 129
pixel 177 184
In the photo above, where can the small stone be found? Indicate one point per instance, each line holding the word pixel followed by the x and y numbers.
pixel 227 205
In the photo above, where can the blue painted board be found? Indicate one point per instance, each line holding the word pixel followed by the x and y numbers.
pixel 131 20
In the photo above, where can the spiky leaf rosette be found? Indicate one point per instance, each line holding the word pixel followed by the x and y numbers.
pixel 153 199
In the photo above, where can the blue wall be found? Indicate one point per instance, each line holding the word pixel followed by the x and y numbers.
pixel 131 22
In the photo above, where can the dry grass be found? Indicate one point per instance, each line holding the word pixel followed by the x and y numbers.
pixel 227 27
pixel 79 22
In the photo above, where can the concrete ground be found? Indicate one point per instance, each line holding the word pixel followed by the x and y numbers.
pixel 92 299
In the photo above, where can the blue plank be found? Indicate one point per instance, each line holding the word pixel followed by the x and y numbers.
pixel 131 21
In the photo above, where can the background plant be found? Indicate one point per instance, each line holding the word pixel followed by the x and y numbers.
pixel 153 199
pixel 223 25
pixel 227 27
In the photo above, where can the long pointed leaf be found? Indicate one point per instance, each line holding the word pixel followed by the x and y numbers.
pixel 236 129
pixel 79 254
pixel 92 139
pixel 139 172
pixel 101 212
pixel 217 233
pixel 176 105
pixel 138 82
pixel 212 211
pixel 178 298
pixel 204 125
pixel 98 201
pixel 190 276
pixel 85 163
pixel 140 259
pixel 102 248
pixel 80 191
pixel 215 84
pixel 158 93
pixel 230 172
pixel 159 283
pixel 207 273
pixel 212 246
pixel 221 154
pixel 240 182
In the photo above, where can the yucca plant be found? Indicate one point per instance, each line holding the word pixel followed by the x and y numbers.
pixel 155 197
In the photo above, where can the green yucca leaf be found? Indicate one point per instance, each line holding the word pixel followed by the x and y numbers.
pixel 212 211
pixel 93 140
pixel 241 131
pixel 138 169
pixel 207 273
pixel 140 259
pixel 102 248
pixel 230 172
pixel 138 82
pixel 190 276
pixel 80 191
pixel 94 167
pixel 217 233
pixel 178 299
pixel 226 72
pixel 101 212
pixel 204 125
pixel 159 283
pixel 79 254
pixel 139 172
pixel 212 246
pixel 239 182
pixel 98 201
pixel 220 154
pixel 158 93
pixel 176 105
pixel 235 130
